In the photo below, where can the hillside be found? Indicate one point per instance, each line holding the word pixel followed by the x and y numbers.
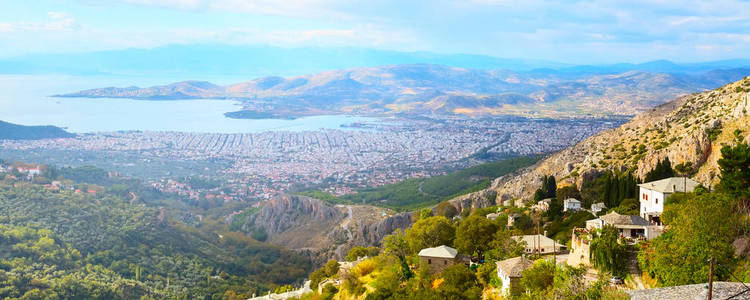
pixel 688 130
pixel 10 131
pixel 94 243
pixel 436 89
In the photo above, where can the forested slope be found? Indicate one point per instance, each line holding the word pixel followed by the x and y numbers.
pixel 65 243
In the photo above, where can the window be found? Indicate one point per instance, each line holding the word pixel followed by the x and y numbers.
pixel 657 200
pixel 445 262
pixel 429 261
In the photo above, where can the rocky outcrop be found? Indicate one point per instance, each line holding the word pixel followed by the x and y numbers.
pixel 483 198
pixel 287 211
pixel 371 234
pixel 295 222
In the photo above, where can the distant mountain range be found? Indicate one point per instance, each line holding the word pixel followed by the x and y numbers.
pixel 10 131
pixel 440 90
pixel 211 61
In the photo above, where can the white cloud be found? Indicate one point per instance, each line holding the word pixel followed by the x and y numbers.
pixel 176 4
pixel 58 21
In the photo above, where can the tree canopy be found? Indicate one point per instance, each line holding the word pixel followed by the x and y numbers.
pixel 430 232
pixel 474 235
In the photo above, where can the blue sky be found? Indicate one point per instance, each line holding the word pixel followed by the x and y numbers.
pixel 571 31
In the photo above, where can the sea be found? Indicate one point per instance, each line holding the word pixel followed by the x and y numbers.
pixel 26 100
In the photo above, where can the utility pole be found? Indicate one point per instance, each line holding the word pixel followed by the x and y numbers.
pixel 710 277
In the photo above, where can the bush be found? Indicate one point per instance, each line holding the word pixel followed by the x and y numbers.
pixel 364 268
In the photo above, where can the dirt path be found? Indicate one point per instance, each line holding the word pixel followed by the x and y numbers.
pixel 349 235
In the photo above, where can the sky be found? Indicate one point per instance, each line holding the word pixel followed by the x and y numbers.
pixel 570 31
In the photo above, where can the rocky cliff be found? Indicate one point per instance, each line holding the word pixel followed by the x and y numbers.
pixel 319 229
pixel 688 130
pixel 295 221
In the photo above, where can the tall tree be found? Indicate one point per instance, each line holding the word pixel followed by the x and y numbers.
pixel 700 227
pixel 551 187
pixel 474 235
pixel 446 209
pixel 607 252
pixel 430 232
pixel 735 171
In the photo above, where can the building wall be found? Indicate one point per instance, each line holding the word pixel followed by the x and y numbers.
pixel 571 206
pixel 651 201
pixel 579 252
pixel 436 264
pixel 505 280
pixel 510 284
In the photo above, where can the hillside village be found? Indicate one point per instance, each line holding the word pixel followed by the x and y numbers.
pixel 657 222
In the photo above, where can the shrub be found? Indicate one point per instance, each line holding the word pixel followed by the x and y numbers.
pixel 364 268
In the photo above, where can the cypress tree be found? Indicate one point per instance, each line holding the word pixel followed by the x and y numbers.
pixel 551 187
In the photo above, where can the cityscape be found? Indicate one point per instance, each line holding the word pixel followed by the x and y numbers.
pixel 262 165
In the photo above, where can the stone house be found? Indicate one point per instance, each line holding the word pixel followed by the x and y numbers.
pixel 510 272
pixel 440 258
pixel 631 227
pixel 653 194
pixel 539 244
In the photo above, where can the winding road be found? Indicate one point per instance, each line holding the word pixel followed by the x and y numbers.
pixel 349 235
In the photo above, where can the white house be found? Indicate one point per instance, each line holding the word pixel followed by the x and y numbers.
pixel 571 204
pixel 509 271
pixel 632 227
pixel 653 194
pixel 537 243
pixel 597 207
pixel 493 216
pixel 542 205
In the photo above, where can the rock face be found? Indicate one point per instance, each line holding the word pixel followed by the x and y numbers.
pixel 320 230
pixel 296 222
pixel 371 234
pixel 689 131
pixel 483 198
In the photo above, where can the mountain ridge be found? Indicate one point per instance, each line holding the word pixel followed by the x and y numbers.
pixel 438 89
pixel 201 60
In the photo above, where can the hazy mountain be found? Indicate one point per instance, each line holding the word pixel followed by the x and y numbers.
pixel 437 89
pixel 209 61
pixel 10 131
